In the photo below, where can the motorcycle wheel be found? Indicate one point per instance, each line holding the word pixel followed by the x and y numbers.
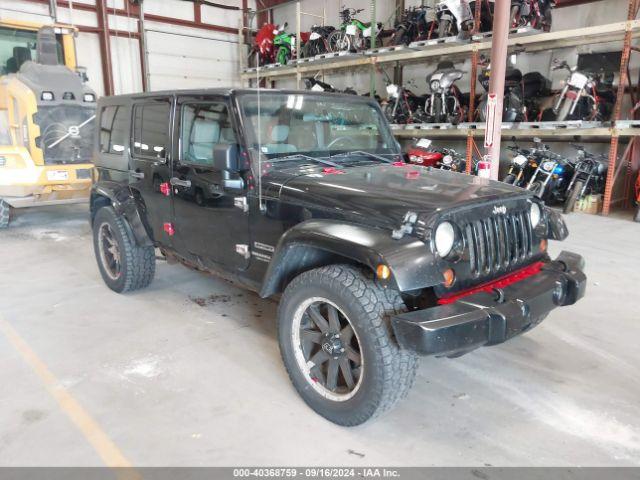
pixel 514 15
pixel 637 216
pixel 547 19
pixel 573 197
pixel 399 37
pixel 510 179
pixel 481 111
pixel 339 41
pixel 538 190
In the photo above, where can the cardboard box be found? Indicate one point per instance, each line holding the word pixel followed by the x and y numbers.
pixel 589 204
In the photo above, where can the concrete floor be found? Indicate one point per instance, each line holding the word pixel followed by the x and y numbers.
pixel 188 371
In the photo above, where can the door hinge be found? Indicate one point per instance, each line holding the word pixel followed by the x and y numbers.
pixel 241 203
pixel 243 250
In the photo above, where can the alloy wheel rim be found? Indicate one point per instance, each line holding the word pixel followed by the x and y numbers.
pixel 109 251
pixel 327 349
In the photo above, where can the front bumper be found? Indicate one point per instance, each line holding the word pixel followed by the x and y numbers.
pixel 484 319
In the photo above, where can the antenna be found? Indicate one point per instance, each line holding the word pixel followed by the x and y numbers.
pixel 260 202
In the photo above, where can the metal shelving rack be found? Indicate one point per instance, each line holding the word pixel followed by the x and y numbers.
pixel 526 42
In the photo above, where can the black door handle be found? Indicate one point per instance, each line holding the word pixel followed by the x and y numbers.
pixel 135 174
pixel 176 182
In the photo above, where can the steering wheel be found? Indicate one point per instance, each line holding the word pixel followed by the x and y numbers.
pixel 337 140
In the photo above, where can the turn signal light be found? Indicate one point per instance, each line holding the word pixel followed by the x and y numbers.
pixel 543 245
pixel 383 272
pixel 449 277
pixel 168 228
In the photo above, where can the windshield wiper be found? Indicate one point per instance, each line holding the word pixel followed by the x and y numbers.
pixel 362 152
pixel 307 157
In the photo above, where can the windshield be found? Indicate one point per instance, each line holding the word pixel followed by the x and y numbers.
pixel 318 126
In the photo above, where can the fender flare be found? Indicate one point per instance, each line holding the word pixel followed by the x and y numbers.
pixel 125 203
pixel 309 244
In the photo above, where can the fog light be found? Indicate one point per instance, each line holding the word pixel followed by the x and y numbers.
pixel 383 272
pixel 89 97
pixel 47 96
pixel 449 277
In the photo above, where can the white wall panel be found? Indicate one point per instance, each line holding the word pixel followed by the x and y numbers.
pixel 178 62
pixel 220 16
pixel 125 58
pixel 88 48
pixel 27 11
pixel 77 17
pixel 169 8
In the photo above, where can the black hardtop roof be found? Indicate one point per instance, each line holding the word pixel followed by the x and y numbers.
pixel 227 92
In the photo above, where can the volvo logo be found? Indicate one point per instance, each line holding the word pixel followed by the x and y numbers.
pixel 499 209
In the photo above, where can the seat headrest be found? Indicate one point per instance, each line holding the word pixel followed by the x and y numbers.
pixel 279 133
pixel 21 54
pixel 205 131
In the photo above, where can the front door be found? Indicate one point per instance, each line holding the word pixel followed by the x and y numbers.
pixel 151 161
pixel 210 224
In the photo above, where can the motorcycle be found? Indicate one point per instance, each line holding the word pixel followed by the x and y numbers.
pixel 513 103
pixel 588 178
pixel 454 18
pixel 550 179
pixel 535 88
pixel 523 165
pixel 453 161
pixel 423 153
pixel 413 25
pixel 353 35
pixel 320 86
pixel 263 51
pixel 531 13
pixel 318 41
pixel 578 99
pixel 443 105
pixel 286 44
pixel 403 106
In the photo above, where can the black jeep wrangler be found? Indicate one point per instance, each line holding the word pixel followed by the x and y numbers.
pixel 304 196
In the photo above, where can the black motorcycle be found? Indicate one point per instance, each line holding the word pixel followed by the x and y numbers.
pixel 589 177
pixel 532 13
pixel 403 106
pixel 443 105
pixel 535 88
pixel 523 164
pixel 412 25
pixel 318 41
pixel 551 178
pixel 316 85
pixel 513 103
pixel 454 18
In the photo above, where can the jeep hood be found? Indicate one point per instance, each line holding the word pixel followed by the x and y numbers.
pixel 381 195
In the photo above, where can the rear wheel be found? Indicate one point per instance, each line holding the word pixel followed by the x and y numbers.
pixel 573 197
pixel 338 347
pixel 124 265
pixel 5 214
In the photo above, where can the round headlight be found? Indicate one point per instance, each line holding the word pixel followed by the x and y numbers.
pixel 444 239
pixel 535 214
pixel 447 159
pixel 435 85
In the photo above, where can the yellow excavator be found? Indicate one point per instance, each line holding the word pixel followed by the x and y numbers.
pixel 47 114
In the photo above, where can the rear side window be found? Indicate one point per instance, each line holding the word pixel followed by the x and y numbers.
pixel 113 129
pixel 151 130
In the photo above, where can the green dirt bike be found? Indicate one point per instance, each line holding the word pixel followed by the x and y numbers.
pixel 285 45
pixel 353 35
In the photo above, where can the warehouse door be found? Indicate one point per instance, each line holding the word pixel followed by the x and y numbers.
pixel 178 61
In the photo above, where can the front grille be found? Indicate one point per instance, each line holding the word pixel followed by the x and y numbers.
pixel 498 243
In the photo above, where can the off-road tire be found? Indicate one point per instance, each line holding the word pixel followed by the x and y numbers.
pixel 389 371
pixel 138 262
pixel 5 214
pixel 572 198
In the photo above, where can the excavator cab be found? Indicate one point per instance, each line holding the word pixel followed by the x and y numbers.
pixel 47 113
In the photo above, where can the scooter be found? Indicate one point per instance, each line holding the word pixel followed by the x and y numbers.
pixel 578 100
pixel 588 177
pixel 353 35
pixel 454 18
pixel 443 105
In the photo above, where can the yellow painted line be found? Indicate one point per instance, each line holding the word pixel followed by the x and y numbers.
pixel 103 445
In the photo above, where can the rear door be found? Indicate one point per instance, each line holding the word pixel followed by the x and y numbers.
pixel 150 161
pixel 209 225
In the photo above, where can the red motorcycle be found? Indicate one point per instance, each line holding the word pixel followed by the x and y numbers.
pixel 263 51
pixel 423 154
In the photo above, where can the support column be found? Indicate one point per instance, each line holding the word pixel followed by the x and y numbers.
pixel 495 100
pixel 105 46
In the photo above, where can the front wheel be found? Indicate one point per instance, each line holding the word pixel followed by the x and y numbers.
pixel 573 197
pixel 538 189
pixel 124 265
pixel 5 214
pixel 338 347
pixel 510 179
pixel 339 41
pixel 564 111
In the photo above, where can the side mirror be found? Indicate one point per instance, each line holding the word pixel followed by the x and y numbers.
pixel 225 157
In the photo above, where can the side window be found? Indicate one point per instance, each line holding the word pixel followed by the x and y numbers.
pixel 113 129
pixel 203 126
pixel 151 130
